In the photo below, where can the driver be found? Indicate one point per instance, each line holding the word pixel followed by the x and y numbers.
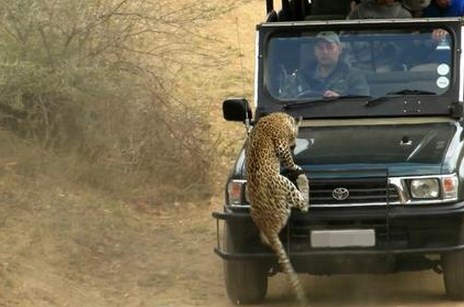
pixel 329 75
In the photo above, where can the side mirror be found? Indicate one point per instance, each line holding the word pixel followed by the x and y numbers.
pixel 236 109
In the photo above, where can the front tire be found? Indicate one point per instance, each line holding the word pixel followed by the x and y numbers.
pixel 453 274
pixel 246 280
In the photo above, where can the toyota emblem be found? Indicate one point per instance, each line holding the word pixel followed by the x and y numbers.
pixel 340 194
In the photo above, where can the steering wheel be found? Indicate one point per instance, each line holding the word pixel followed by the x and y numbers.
pixel 309 93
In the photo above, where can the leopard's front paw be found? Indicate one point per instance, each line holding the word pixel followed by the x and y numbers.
pixel 293 173
pixel 302 181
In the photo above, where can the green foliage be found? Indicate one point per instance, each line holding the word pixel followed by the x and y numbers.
pixel 91 76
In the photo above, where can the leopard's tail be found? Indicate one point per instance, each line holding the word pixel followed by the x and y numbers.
pixel 287 268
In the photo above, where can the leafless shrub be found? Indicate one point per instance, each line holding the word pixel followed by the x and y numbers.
pixel 95 77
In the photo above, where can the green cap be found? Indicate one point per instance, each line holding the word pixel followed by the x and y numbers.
pixel 329 36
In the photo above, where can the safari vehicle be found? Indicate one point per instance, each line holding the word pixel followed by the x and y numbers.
pixel 385 169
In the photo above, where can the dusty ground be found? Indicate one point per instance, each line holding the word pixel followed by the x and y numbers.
pixel 134 255
pixel 198 279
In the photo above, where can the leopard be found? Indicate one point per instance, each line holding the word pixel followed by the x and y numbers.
pixel 271 194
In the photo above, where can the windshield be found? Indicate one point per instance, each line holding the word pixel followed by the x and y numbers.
pixel 315 65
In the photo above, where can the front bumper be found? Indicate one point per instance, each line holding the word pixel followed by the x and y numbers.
pixel 399 231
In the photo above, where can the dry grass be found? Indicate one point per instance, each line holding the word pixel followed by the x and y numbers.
pixel 75 233
pixel 120 91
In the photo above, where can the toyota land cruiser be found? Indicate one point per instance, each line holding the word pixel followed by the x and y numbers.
pixel 385 169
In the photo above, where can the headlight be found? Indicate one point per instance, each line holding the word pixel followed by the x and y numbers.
pixel 425 188
pixel 431 189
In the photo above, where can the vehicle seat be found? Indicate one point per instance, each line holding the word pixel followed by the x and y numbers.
pixel 325 10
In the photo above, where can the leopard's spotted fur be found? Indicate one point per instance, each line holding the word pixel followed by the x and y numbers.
pixel 272 195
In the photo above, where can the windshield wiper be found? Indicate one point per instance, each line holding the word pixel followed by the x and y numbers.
pixel 376 101
pixel 405 92
pixel 408 92
pixel 319 101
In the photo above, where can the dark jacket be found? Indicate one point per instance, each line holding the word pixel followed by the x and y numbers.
pixel 455 9
pixel 344 80
pixel 366 10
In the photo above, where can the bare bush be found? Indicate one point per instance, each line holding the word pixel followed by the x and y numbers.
pixel 95 77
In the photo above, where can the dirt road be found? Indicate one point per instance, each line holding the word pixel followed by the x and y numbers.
pixel 67 253
pixel 197 279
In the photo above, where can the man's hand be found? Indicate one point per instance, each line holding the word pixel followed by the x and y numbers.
pixel 331 94
pixel 439 34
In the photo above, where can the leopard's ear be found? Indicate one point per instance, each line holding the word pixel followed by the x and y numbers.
pixel 296 125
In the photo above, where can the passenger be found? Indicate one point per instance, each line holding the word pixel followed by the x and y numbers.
pixel 329 75
pixel 445 8
pixel 416 6
pixel 386 53
pixel 421 52
pixel 379 9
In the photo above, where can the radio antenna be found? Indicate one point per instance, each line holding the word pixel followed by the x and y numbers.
pixel 240 55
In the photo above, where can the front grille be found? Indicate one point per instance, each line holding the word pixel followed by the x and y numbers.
pixel 366 191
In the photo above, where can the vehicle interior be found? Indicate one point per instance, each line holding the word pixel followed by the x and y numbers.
pixel 389 61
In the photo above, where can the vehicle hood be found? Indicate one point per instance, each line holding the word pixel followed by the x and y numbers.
pixel 401 149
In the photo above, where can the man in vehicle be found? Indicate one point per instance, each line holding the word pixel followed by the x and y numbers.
pixel 379 9
pixel 445 8
pixel 329 76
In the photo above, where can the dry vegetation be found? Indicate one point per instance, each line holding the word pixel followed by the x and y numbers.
pixel 113 145
pixel 125 88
